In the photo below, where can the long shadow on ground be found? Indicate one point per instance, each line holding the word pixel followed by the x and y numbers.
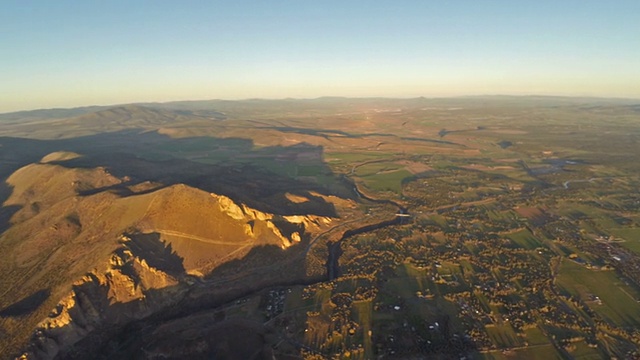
pixel 232 167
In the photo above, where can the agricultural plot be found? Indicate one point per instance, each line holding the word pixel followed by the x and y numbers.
pixel 619 301
pixel 525 239
pixel 630 237
pixel 383 176
pixel 503 336
pixel 535 336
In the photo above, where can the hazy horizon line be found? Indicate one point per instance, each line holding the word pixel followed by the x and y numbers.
pixel 592 97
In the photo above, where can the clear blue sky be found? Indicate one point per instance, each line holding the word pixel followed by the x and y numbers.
pixel 73 53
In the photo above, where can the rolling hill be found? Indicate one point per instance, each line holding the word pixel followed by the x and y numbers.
pixel 78 257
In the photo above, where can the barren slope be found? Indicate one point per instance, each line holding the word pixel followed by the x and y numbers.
pixel 73 263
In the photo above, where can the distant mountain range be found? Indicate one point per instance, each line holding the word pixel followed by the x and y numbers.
pixel 216 108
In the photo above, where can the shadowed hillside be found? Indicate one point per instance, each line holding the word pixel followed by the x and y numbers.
pixel 186 206
pixel 68 222
pixel 238 170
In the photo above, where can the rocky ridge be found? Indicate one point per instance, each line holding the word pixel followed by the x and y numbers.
pixel 108 260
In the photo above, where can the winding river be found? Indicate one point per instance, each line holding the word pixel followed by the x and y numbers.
pixel 121 341
pixel 335 249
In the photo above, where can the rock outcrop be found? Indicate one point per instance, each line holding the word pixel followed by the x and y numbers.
pixel 103 260
pixel 127 290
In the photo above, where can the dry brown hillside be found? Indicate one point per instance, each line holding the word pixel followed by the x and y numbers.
pixel 78 256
